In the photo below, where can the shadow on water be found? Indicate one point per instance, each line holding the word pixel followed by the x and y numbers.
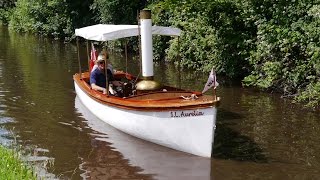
pixel 230 144
pixel 104 162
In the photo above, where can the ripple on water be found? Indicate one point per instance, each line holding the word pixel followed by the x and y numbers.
pixel 4 120
pixel 3 94
pixel 4 134
pixel 41 164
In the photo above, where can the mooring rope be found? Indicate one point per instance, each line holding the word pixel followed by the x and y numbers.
pixel 192 97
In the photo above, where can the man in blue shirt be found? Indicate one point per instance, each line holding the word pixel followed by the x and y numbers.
pixel 98 77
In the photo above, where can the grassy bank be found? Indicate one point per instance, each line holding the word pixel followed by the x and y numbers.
pixel 12 167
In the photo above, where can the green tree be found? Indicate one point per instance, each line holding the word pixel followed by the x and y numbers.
pixel 214 34
pixel 51 17
pixel 6 10
pixel 42 17
pixel 117 11
pixel 286 58
pixel 80 13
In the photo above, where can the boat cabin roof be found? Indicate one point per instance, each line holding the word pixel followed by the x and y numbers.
pixel 106 32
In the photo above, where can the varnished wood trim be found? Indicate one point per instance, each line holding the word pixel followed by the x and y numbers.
pixel 141 105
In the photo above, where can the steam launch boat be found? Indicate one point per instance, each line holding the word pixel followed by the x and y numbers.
pixel 180 119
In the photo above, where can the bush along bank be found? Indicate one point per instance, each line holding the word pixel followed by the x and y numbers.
pixel 272 45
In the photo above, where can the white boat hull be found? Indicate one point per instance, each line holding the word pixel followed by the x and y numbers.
pixel 190 131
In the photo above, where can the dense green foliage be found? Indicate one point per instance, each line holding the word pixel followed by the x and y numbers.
pixel 286 58
pixel 50 17
pixel 11 167
pixel 275 44
pixel 43 17
pixel 117 11
pixel 270 44
pixel 6 8
pixel 213 34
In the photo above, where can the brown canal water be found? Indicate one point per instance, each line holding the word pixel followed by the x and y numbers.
pixel 258 136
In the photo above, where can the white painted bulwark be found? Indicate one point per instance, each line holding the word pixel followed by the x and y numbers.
pixel 189 131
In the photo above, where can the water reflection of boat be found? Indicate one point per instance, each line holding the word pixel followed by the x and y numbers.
pixel 160 114
pixel 156 161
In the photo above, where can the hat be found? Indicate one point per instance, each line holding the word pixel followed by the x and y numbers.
pixel 100 58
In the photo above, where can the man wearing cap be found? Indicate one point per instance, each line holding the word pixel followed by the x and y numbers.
pixel 98 77
pixel 109 66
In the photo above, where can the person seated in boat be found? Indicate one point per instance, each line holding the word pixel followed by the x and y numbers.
pixel 101 55
pixel 109 65
pixel 98 77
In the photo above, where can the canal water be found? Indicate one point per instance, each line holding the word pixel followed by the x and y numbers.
pixel 258 135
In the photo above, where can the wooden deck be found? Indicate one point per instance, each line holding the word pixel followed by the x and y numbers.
pixel 170 98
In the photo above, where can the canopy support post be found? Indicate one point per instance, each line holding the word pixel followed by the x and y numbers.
pixel 139 39
pixel 126 51
pixel 80 73
pixel 179 63
pixel 88 55
pixel 106 67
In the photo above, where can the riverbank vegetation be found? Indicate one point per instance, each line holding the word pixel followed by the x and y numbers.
pixel 11 166
pixel 272 45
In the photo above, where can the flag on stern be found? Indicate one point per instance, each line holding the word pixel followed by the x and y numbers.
pixel 93 56
pixel 211 82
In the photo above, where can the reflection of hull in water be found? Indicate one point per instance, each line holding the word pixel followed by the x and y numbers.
pixel 159 161
pixel 183 125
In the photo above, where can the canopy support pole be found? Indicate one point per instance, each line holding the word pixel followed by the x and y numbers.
pixel 80 73
pixel 139 46
pixel 126 51
pixel 106 67
pixel 88 55
pixel 179 63
pixel 139 39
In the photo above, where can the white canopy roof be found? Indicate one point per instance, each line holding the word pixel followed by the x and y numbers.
pixel 106 32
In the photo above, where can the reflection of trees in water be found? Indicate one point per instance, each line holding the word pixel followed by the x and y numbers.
pixel 39 91
pixel 230 144
pixel 287 132
pixel 262 127
pixel 105 163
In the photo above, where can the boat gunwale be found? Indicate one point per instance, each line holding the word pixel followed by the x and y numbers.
pixel 141 105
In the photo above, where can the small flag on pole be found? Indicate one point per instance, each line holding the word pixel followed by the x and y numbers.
pixel 93 56
pixel 212 81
